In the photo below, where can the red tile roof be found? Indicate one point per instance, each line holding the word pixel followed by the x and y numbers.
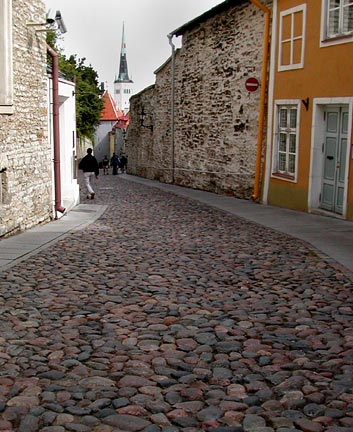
pixel 110 111
pixel 123 122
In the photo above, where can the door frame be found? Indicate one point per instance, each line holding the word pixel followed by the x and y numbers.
pixel 318 129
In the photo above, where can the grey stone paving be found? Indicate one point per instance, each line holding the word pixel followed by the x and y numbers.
pixel 169 315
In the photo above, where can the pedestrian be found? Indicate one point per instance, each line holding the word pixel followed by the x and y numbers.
pixel 105 164
pixel 114 162
pixel 123 163
pixel 90 168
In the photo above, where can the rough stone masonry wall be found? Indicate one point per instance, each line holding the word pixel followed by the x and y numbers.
pixel 150 152
pixel 24 146
pixel 216 117
pixel 140 140
pixel 163 145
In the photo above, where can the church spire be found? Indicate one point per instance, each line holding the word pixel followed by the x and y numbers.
pixel 123 70
pixel 123 84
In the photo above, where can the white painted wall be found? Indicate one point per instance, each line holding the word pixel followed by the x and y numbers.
pixel 70 192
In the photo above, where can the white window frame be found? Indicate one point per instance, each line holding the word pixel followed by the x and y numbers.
pixel 1 191
pixel 275 172
pixel 339 38
pixel 6 71
pixel 283 14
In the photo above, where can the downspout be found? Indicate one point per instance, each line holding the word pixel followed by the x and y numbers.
pixel 56 132
pixel 170 37
pixel 262 98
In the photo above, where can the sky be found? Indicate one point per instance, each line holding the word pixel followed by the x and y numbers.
pixel 94 31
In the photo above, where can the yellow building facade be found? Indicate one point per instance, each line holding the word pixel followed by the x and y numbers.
pixel 309 159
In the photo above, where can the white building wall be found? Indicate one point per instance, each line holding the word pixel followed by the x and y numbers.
pixel 68 154
pixel 122 94
pixel 101 140
pixel 70 192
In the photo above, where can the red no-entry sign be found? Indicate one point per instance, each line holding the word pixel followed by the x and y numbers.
pixel 251 84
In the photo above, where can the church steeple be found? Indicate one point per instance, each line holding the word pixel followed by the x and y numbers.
pixel 123 70
pixel 123 83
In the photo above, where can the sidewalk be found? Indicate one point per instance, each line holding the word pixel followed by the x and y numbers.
pixel 330 236
pixel 19 247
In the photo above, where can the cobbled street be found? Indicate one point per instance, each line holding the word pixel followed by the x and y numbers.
pixel 169 315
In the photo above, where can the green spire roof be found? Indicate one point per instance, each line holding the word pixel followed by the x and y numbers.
pixel 123 70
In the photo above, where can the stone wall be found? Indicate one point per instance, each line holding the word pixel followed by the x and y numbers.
pixel 216 118
pixel 140 140
pixel 24 146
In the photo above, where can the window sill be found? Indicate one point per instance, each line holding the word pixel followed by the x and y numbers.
pixel 334 40
pixel 283 176
pixel 296 66
pixel 6 109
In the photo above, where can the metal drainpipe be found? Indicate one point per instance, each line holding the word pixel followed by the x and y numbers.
pixel 56 132
pixel 262 98
pixel 170 37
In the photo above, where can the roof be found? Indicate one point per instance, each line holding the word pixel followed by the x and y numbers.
pixel 143 91
pixel 123 122
pixel 209 14
pixel 110 111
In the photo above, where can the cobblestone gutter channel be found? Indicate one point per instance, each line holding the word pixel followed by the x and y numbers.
pixel 169 315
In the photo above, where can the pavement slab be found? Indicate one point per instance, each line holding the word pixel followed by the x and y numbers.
pixel 167 314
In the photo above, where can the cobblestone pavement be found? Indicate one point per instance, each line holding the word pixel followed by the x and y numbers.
pixel 168 315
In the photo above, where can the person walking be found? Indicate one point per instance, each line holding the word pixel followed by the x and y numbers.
pixel 114 162
pixel 105 164
pixel 123 163
pixel 90 168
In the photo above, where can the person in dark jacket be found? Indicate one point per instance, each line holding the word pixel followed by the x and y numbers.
pixel 90 168
pixel 123 163
pixel 114 162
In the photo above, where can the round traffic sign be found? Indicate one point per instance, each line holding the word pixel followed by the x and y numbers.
pixel 251 84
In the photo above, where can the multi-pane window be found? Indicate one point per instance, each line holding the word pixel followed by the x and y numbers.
pixel 339 17
pixel 286 141
pixel 292 38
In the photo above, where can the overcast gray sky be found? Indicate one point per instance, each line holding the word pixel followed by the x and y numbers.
pixel 95 28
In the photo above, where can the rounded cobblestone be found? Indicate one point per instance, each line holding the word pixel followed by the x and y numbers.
pixel 169 315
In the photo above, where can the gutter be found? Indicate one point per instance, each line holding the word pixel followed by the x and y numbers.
pixel 56 132
pixel 257 179
pixel 172 122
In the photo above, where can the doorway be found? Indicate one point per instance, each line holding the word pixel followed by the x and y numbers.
pixel 334 159
pixel 330 149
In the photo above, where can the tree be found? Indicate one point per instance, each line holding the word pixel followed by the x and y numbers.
pixel 88 101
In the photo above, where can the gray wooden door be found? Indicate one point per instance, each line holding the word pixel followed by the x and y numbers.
pixel 335 152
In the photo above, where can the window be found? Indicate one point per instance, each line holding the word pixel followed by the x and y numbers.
pixel 3 186
pixel 6 92
pixel 339 17
pixel 336 21
pixel 285 156
pixel 292 38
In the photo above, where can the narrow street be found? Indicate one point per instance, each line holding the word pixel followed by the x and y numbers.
pixel 167 315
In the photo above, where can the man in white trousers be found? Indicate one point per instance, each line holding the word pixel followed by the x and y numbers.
pixel 90 168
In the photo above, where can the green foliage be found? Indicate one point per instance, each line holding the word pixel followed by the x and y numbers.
pixel 88 102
